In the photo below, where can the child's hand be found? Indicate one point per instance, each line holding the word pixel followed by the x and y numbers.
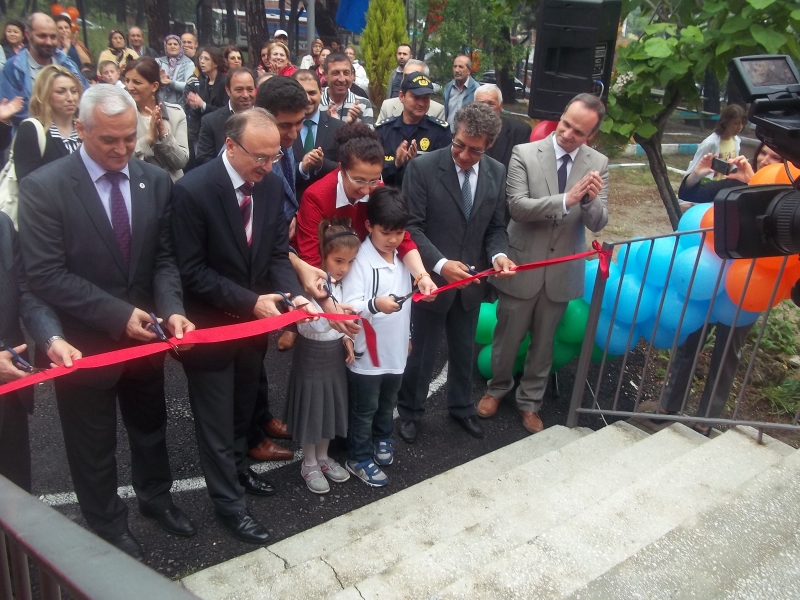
pixel 386 305
pixel 351 355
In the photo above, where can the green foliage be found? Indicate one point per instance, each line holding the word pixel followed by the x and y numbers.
pixel 784 398
pixel 386 28
pixel 779 336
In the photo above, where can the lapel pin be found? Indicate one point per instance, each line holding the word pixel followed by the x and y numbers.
pixel 141 185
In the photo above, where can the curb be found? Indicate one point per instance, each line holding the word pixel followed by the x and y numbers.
pixel 666 149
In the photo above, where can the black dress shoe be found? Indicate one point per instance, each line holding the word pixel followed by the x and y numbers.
pixel 128 544
pixel 244 527
pixel 470 425
pixel 408 431
pixel 256 484
pixel 172 519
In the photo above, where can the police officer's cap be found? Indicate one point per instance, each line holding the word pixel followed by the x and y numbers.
pixel 418 84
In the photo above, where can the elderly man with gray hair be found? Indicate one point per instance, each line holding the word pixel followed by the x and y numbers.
pixel 94 230
pixel 513 132
pixel 393 107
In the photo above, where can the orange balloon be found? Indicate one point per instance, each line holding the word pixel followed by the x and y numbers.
pixel 774 263
pixel 772 174
pixel 56 9
pixel 758 290
pixel 707 222
pixel 73 13
pixel 75 28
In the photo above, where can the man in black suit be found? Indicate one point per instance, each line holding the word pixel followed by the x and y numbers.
pixel 322 129
pixel 457 201
pixel 231 242
pixel 94 230
pixel 513 132
pixel 41 322
pixel 241 87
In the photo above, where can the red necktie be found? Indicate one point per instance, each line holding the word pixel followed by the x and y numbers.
pixel 120 221
pixel 246 209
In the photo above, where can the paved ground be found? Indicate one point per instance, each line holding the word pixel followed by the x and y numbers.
pixel 441 446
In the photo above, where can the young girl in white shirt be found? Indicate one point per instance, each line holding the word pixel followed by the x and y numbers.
pixel 316 404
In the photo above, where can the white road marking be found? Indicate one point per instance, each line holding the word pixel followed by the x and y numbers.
pixel 199 483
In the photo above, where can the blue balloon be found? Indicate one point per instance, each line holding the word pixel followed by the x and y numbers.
pixel 660 259
pixel 632 250
pixel 629 299
pixel 724 311
pixel 694 317
pixel 690 221
pixel 708 269
pixel 664 337
pixel 619 334
pixel 590 276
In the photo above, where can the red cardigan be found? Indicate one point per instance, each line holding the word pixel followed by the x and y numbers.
pixel 318 203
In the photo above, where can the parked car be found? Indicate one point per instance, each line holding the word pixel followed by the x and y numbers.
pixel 489 77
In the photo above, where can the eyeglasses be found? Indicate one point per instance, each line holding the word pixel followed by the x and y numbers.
pixel 361 182
pixel 473 151
pixel 262 159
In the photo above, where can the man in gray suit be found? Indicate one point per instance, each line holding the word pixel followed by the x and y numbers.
pixel 16 301
pixel 457 205
pixel 556 187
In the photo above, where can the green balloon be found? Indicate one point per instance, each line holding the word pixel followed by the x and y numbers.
pixel 487 320
pixel 485 362
pixel 563 354
pixel 573 324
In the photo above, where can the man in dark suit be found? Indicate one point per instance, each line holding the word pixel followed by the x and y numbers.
pixel 513 132
pixel 241 87
pixel 94 230
pixel 41 322
pixel 136 43
pixel 322 130
pixel 456 197
pixel 231 242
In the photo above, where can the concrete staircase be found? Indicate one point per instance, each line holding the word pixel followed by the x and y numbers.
pixel 566 513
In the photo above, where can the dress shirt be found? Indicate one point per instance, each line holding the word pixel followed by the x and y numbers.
pixel 560 152
pixel 103 185
pixel 237 182
pixel 341 198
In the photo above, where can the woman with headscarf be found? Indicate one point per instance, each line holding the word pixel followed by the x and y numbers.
pixel 116 51
pixel 176 70
pixel 311 61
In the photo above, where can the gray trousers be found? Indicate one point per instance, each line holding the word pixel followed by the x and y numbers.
pixel 721 372
pixel 539 316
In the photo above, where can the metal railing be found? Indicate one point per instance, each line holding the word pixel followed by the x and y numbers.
pixel 68 557
pixel 587 398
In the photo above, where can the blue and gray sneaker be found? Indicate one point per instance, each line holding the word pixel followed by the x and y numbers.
pixel 368 472
pixel 384 451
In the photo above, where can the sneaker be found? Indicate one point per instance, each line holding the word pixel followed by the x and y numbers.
pixel 315 480
pixel 333 470
pixel 384 452
pixel 368 472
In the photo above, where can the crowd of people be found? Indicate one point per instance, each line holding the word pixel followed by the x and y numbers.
pixel 186 191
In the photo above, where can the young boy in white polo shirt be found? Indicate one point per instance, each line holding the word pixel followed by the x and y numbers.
pixel 376 273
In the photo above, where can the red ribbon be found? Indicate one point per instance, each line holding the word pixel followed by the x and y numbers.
pixel 603 255
pixel 211 335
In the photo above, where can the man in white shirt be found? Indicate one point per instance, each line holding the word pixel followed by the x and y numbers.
pixel 461 90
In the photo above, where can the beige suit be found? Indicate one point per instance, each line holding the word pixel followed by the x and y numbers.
pixel 392 107
pixel 534 301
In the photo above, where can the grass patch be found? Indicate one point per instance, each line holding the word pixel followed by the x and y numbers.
pixel 784 399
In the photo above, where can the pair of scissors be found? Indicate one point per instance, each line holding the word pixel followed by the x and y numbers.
pixel 328 287
pixel 16 360
pixel 156 328
pixel 401 299
pixel 286 302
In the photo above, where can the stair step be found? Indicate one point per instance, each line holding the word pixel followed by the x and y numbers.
pixel 776 577
pixel 566 557
pixel 715 550
pixel 525 503
pixel 234 578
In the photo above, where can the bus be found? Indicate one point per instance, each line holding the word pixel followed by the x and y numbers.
pixel 219 35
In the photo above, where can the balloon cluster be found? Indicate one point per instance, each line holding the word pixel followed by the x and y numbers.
pixel 74 14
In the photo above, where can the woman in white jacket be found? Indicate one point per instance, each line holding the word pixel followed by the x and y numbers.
pixel 176 69
pixel 724 142
pixel 362 80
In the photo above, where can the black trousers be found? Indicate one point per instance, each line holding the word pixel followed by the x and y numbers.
pixel 89 422
pixel 261 412
pixel 15 444
pixel 427 327
pixel 222 403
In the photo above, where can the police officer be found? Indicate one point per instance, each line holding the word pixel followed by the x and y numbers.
pixel 412 132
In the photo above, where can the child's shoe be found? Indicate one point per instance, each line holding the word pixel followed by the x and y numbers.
pixel 368 472
pixel 314 479
pixel 333 470
pixel 384 452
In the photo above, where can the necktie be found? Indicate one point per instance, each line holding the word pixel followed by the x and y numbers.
pixel 308 142
pixel 288 168
pixel 120 221
pixel 562 173
pixel 466 193
pixel 246 210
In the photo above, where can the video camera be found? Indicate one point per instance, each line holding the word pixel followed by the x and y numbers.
pixel 764 220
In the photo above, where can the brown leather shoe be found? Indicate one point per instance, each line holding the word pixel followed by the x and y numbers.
pixel 531 421
pixel 286 341
pixel 276 428
pixel 488 406
pixel 269 450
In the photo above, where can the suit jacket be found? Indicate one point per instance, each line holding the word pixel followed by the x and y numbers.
pixel 513 133
pixel 212 135
pixel 472 85
pixel 17 301
pixel 74 263
pixel 438 224
pixel 26 150
pixel 392 107
pixel 171 153
pixel 539 230
pixel 223 277
pixel 326 131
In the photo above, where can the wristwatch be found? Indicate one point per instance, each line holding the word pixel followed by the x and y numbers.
pixel 50 341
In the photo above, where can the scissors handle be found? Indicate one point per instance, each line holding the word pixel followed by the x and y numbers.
pixel 16 360
pixel 156 328
pixel 286 301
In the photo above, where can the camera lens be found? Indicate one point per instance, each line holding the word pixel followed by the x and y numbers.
pixel 784 216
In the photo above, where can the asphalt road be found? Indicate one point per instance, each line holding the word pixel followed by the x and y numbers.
pixel 441 445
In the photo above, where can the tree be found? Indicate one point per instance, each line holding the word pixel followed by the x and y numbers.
pixel 386 28
pixel 157 21
pixel 256 28
pixel 682 42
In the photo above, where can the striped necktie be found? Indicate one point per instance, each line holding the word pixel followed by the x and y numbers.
pixel 246 210
pixel 466 193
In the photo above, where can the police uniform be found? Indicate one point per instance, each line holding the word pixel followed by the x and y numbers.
pixel 430 133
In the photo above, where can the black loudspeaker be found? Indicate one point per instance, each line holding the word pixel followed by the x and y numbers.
pixel 575 43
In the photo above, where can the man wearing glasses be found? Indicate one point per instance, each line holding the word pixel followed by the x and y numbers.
pixel 456 197
pixel 231 243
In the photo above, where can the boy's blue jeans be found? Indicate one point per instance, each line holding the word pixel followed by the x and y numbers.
pixel 372 402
